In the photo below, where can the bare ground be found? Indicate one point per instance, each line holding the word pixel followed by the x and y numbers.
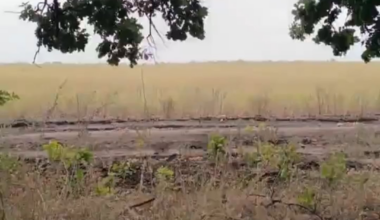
pixel 157 139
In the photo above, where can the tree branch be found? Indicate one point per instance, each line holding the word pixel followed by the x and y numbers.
pixel 35 56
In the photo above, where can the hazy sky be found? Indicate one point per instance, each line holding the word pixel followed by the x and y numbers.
pixel 235 29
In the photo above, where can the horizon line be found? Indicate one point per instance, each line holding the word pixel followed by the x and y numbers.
pixel 189 62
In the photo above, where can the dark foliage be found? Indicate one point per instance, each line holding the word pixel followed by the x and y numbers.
pixel 362 24
pixel 115 21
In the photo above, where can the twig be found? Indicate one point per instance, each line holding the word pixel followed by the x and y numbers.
pixel 146 110
pixel 43 201
pixel 56 99
pixel 158 33
pixel 150 38
pixel 152 25
pixel 35 56
pixel 39 8
pixel 142 175
pixel 2 208
pixel 142 203
pixel 12 12
pixel 143 9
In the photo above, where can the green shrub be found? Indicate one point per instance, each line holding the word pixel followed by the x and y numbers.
pixel 8 164
pixel 106 186
pixel 334 168
pixel 307 198
pixel 73 160
pixel 216 146
pixel 7 97
pixel 164 174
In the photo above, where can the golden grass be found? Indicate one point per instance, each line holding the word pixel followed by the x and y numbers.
pixel 236 88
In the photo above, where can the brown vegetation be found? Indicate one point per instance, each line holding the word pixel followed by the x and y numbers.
pixel 285 141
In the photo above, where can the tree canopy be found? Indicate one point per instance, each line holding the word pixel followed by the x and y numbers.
pixel 361 24
pixel 59 24
pixel 115 21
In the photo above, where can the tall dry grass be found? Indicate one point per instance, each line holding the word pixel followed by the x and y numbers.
pixel 183 90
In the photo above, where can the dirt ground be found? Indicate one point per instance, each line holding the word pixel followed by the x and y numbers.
pixel 163 138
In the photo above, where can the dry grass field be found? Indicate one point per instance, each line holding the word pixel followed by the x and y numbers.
pixel 82 156
pixel 191 90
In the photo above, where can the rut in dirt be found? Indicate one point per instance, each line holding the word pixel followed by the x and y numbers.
pixel 189 138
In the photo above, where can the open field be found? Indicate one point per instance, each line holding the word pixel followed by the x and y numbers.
pixel 192 90
pixel 313 153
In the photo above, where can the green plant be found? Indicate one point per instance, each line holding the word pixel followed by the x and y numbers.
pixel 56 152
pixel 216 146
pixel 267 153
pixel 68 156
pixel 119 171
pixel 249 129
pixel 164 174
pixel 8 163
pixel 106 186
pixel 334 168
pixel 252 159
pixel 307 198
pixel 73 160
pixel 282 158
pixel 288 157
pixel 7 97
pixel 164 177
pixel 123 169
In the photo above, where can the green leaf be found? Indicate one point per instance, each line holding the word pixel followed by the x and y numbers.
pixel 363 15
pixel 61 26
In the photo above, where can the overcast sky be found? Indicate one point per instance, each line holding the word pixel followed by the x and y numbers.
pixel 235 29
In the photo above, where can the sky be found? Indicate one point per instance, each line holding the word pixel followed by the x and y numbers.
pixel 250 30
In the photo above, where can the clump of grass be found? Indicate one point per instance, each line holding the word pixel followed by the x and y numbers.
pixel 216 147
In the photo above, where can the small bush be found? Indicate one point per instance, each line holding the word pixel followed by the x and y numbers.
pixel 282 158
pixel 7 97
pixel 68 156
pixel 307 198
pixel 74 162
pixel 217 146
pixel 164 174
pixel 106 186
pixel 334 169
pixel 123 170
pixel 8 163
